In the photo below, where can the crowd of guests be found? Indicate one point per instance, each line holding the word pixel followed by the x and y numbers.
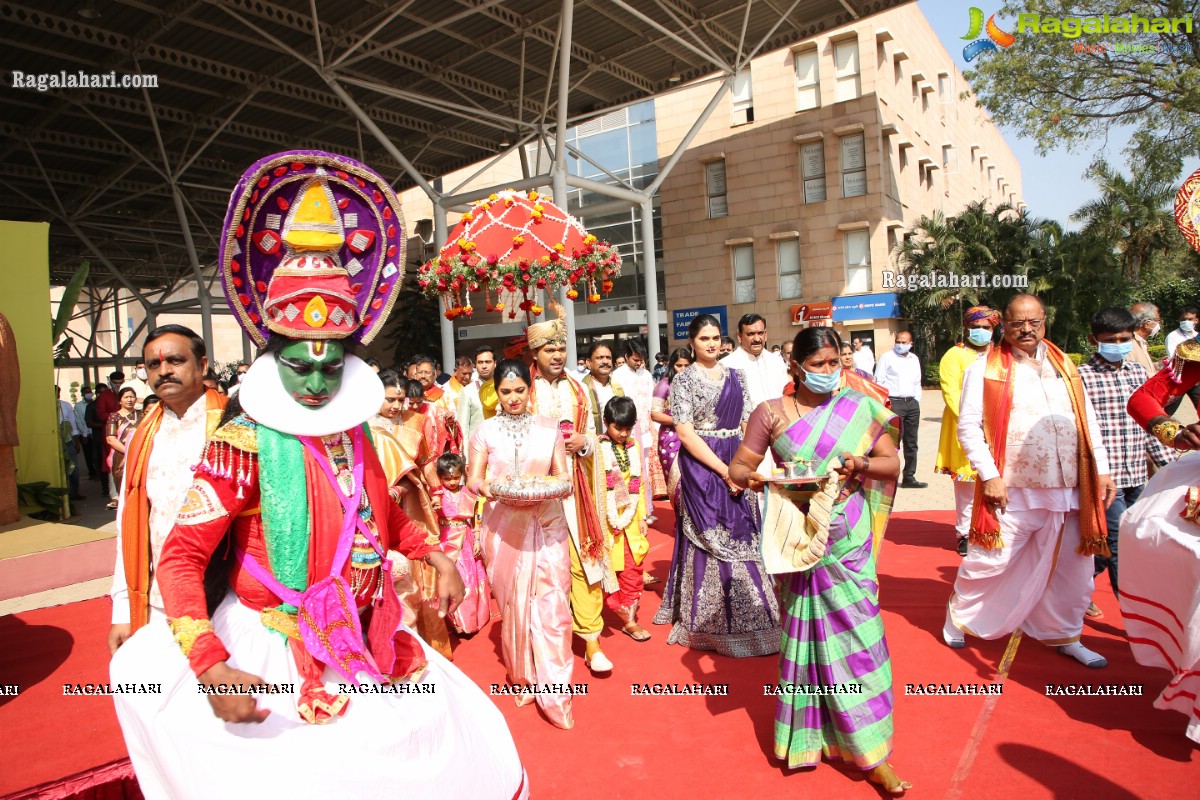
pixel 707 430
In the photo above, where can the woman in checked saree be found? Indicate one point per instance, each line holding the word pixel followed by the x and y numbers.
pixel 834 669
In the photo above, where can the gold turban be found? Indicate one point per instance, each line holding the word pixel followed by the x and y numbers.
pixel 540 334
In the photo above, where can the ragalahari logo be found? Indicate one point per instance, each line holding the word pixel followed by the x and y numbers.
pixel 996 36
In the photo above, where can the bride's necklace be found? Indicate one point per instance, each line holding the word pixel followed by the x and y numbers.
pixel 516 427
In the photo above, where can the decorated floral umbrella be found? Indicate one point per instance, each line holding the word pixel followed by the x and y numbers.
pixel 1187 210
pixel 518 245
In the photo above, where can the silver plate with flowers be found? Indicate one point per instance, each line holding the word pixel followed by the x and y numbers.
pixel 522 491
pixel 796 475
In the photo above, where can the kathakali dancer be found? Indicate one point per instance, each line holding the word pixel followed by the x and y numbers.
pixel 290 486
pixel 1159 544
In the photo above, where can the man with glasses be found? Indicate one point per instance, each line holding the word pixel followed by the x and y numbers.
pixel 1149 322
pixel 1029 430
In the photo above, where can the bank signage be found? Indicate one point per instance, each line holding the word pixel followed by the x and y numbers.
pixel 885 305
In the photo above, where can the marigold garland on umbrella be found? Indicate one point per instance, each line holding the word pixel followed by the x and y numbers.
pixel 518 245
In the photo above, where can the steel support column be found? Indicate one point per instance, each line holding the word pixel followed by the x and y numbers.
pixel 445 326
pixel 650 273
pixel 558 173
pixel 201 290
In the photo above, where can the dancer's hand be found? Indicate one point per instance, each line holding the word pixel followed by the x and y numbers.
pixel 450 587
pixel 1188 437
pixel 233 707
pixel 995 494
pixel 117 635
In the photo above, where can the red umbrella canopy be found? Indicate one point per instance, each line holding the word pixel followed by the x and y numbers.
pixel 518 244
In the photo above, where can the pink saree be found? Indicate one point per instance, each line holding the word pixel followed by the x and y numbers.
pixel 529 566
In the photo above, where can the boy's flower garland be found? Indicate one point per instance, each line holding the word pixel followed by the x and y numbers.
pixel 615 459
pixel 520 274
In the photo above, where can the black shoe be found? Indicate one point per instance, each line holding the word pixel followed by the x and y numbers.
pixel 913 483
pixel 962 547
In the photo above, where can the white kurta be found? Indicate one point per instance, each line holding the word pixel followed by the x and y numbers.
pixel 638 386
pixel 995 591
pixel 765 376
pixel 174 453
pixel 1160 586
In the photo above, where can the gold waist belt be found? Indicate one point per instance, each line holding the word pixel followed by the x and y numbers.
pixel 281 622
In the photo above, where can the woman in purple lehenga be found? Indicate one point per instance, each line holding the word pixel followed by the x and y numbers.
pixel 660 412
pixel 718 597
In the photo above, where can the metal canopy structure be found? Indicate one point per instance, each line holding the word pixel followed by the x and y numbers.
pixel 137 179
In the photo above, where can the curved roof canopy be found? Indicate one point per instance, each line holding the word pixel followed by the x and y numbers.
pixel 139 178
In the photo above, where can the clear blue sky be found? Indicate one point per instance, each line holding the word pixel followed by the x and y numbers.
pixel 1053 186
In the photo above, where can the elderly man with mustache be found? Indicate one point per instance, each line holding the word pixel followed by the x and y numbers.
pixel 159 465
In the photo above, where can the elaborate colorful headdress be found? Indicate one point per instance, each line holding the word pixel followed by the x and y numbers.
pixel 312 248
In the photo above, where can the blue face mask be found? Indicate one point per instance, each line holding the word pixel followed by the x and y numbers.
pixel 979 336
pixel 1114 352
pixel 902 349
pixel 1187 326
pixel 822 383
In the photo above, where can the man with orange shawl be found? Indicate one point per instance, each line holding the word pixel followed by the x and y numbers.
pixel 159 465
pixel 555 394
pixel 1041 494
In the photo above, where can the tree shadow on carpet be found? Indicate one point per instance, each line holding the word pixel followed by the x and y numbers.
pixel 31 653
pixel 1061 777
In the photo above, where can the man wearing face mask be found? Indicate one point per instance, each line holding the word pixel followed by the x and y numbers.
pixel 1110 378
pixel 979 323
pixel 140 387
pixel 1149 323
pixel 242 369
pixel 1185 332
pixel 1029 430
pixel 899 371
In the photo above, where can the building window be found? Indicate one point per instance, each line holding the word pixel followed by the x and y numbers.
pixel 858 261
pixel 787 256
pixel 854 166
pixel 808 79
pixel 743 98
pixel 845 70
pixel 945 88
pixel 743 274
pixel 812 170
pixel 950 158
pixel 714 177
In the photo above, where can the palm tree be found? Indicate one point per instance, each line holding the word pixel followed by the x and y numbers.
pixel 1132 214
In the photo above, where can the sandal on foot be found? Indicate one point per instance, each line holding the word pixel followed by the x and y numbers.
pixel 636 632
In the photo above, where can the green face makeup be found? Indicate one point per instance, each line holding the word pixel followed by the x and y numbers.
pixel 311 371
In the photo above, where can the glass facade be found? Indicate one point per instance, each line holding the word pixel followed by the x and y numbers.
pixel 621 146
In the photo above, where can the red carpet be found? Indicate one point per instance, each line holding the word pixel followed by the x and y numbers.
pixel 1032 747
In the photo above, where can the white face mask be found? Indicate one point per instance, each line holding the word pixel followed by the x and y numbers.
pixel 1154 331
pixel 240 375
pixel 1187 325
pixel 141 374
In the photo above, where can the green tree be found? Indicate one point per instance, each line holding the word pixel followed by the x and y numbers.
pixel 1058 91
pixel 1131 213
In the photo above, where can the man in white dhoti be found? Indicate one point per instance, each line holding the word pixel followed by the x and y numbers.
pixel 1028 429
